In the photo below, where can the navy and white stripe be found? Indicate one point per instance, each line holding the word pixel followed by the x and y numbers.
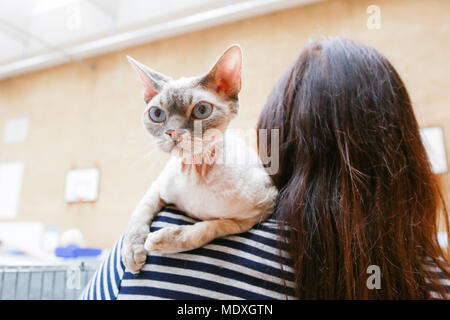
pixel 105 283
pixel 442 281
pixel 245 266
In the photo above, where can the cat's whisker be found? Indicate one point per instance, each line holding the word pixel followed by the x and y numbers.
pixel 146 156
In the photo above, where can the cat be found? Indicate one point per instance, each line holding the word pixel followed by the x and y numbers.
pixel 229 198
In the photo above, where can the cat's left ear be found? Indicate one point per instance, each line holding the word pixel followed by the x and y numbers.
pixel 153 81
pixel 225 76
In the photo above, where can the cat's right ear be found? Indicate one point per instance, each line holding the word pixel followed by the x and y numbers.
pixel 153 81
pixel 225 76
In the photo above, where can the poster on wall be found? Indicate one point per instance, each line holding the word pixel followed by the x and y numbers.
pixel 433 140
pixel 82 185
pixel 11 174
pixel 16 130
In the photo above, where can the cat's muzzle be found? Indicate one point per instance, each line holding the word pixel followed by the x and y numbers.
pixel 175 135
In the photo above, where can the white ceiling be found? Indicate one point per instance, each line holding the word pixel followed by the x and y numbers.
pixel 38 33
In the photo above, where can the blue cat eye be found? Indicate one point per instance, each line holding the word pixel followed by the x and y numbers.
pixel 157 114
pixel 202 110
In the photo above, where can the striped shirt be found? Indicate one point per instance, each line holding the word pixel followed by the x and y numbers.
pixel 245 266
pixel 442 280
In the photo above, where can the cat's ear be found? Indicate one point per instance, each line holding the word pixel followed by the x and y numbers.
pixel 153 81
pixel 225 76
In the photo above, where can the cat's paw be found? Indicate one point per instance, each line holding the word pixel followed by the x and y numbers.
pixel 134 254
pixel 167 240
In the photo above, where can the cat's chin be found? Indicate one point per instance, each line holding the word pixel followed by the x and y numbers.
pixel 167 149
pixel 180 152
pixel 166 146
pixel 174 149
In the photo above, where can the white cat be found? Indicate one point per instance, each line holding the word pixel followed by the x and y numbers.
pixel 189 119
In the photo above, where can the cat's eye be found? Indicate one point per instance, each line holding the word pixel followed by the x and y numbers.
pixel 157 114
pixel 202 110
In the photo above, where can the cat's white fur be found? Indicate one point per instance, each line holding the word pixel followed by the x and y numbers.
pixel 229 191
pixel 230 199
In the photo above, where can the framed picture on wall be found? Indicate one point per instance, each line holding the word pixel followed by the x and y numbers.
pixel 433 140
pixel 11 174
pixel 82 185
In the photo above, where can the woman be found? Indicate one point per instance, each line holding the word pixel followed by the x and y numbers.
pixel 356 191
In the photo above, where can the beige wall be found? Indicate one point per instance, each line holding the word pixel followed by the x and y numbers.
pixel 81 116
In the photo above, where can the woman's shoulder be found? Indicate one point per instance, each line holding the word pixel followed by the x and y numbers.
pixel 172 215
pixel 250 265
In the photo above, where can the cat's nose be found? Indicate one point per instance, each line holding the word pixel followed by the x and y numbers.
pixel 174 134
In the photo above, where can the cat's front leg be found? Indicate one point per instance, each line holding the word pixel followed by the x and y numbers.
pixel 185 238
pixel 134 254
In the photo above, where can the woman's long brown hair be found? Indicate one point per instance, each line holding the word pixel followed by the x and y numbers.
pixel 356 188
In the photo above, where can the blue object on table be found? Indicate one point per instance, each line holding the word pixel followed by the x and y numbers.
pixel 74 251
pixel 16 252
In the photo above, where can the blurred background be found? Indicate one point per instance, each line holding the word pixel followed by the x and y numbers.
pixel 74 157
